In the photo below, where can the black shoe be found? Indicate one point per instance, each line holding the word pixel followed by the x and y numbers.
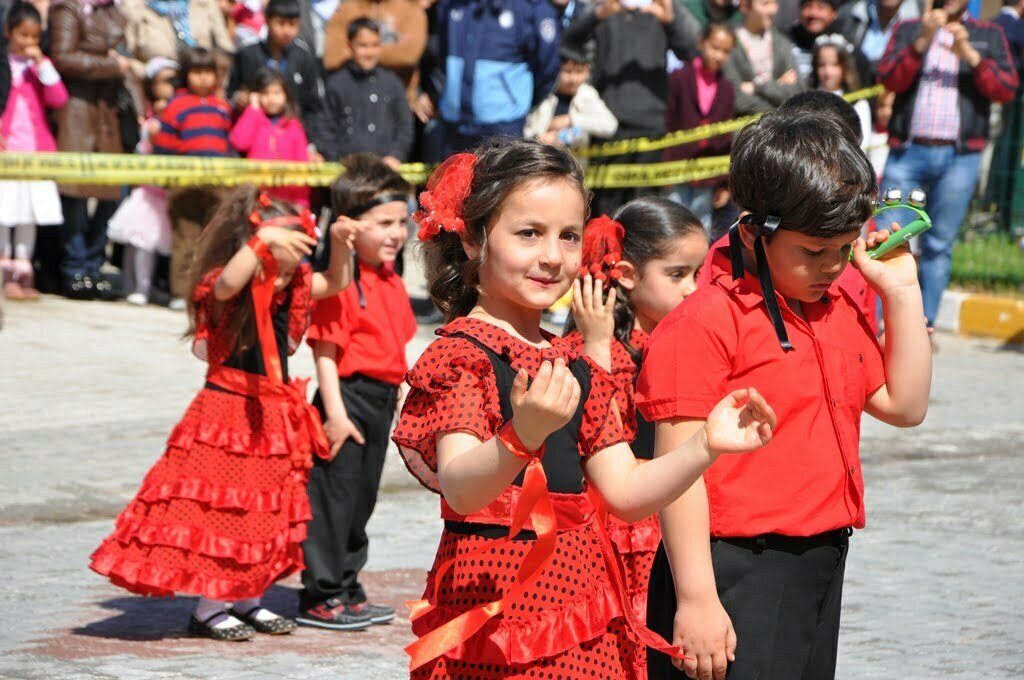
pixel 104 288
pixel 276 626
pixel 79 287
pixel 233 634
pixel 378 613
pixel 335 615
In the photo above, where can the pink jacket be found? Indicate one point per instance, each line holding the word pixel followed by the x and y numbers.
pixel 255 136
pixel 36 98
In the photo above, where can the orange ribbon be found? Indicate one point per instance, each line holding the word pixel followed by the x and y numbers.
pixel 534 504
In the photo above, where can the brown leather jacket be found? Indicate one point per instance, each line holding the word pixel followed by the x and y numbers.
pixel 80 47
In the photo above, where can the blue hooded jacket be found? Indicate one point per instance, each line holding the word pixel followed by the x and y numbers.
pixel 500 59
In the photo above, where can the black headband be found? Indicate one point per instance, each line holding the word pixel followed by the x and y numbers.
pixel 766 225
pixel 379 199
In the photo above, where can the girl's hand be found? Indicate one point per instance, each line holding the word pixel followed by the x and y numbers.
pixel 344 230
pixel 339 429
pixel 546 405
pixel 34 53
pixel 295 244
pixel 593 313
pixel 741 422
pixel 895 271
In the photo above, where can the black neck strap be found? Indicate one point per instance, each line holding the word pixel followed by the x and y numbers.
pixel 765 224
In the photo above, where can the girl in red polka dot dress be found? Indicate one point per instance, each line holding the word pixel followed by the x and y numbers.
pixel 521 438
pixel 646 259
pixel 222 513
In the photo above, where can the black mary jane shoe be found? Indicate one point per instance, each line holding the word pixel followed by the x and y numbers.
pixel 242 631
pixel 277 626
pixel 79 287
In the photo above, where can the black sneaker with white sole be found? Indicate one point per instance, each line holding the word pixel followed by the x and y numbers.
pixel 378 613
pixel 335 615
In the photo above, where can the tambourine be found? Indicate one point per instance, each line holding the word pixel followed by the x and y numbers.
pixel 893 198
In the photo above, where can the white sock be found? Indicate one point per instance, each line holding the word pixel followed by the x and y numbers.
pixel 253 603
pixel 206 608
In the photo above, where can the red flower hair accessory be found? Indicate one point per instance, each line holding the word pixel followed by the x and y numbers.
pixel 447 189
pixel 602 249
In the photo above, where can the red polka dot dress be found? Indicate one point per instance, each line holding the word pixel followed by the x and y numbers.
pixel 567 623
pixel 222 513
pixel 635 542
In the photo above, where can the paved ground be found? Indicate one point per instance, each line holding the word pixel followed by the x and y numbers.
pixel 934 584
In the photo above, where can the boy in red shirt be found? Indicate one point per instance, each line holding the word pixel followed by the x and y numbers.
pixel 762 597
pixel 358 339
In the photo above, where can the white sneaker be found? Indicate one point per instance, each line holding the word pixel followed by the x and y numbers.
pixel 137 299
pixel 177 304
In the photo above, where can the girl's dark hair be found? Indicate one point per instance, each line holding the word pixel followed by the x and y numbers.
pixel 265 77
pixel 503 165
pixel 650 225
pixel 718 27
pixel 21 12
pixel 851 79
pixel 196 59
pixel 227 231
pixel 147 84
pixel 366 175
pixel 804 166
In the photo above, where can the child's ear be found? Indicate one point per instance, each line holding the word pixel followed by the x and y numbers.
pixel 748 233
pixel 471 248
pixel 629 277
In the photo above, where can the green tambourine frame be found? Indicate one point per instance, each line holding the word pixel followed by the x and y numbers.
pixel 894 199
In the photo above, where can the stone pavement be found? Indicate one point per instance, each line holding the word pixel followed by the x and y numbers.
pixel 934 584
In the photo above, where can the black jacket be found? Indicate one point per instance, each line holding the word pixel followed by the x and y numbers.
pixel 302 71
pixel 364 111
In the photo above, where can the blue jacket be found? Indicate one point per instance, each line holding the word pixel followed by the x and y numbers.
pixel 500 59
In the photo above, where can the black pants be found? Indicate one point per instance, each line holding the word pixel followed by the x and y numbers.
pixel 342 495
pixel 608 201
pixel 783 595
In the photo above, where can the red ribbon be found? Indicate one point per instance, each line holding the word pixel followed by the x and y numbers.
pixel 262 287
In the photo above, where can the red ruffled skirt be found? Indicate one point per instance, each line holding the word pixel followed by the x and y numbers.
pixel 222 514
pixel 636 544
pixel 568 624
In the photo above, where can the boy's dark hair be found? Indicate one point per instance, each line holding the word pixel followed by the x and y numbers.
pixel 803 166
pixel 366 175
pixel 196 59
pixel 819 100
pixel 265 77
pixel 21 12
pixel 362 24
pixel 503 165
pixel 651 225
pixel 286 9
pixel 573 54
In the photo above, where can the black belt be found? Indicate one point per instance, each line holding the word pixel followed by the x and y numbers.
pixel 792 544
pixel 929 141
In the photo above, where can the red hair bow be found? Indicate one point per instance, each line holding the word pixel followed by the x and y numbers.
pixel 447 189
pixel 602 248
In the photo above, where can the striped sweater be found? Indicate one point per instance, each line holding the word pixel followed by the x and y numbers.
pixel 194 126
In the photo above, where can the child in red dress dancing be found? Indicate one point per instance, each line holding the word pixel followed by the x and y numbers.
pixel 647 260
pixel 521 438
pixel 222 513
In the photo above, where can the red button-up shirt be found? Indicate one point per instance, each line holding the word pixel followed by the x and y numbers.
pixel 808 479
pixel 370 341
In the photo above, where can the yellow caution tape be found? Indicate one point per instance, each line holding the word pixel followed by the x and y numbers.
pixel 694 134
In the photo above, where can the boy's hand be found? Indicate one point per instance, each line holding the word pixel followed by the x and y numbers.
pixel 895 271
pixel 338 430
pixel 593 313
pixel 703 630
pixel 741 422
pixel 344 230
pixel 790 77
pixel 661 10
pixel 608 8
pixel 546 405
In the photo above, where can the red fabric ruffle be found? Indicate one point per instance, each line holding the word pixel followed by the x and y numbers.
pixel 642 536
pixel 222 496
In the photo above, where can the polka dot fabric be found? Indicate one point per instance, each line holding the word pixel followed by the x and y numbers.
pixel 636 543
pixel 453 389
pixel 222 513
pixel 568 623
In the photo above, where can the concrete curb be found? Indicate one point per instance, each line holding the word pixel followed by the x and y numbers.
pixel 979 315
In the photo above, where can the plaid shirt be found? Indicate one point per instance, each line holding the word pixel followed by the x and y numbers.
pixel 937 109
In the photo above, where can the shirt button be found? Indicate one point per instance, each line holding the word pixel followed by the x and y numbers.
pixel 373 98
pixel 371 127
pixel 348 109
pixel 853 470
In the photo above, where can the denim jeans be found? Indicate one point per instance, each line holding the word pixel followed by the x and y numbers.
pixel 698 200
pixel 949 177
pixel 85 237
